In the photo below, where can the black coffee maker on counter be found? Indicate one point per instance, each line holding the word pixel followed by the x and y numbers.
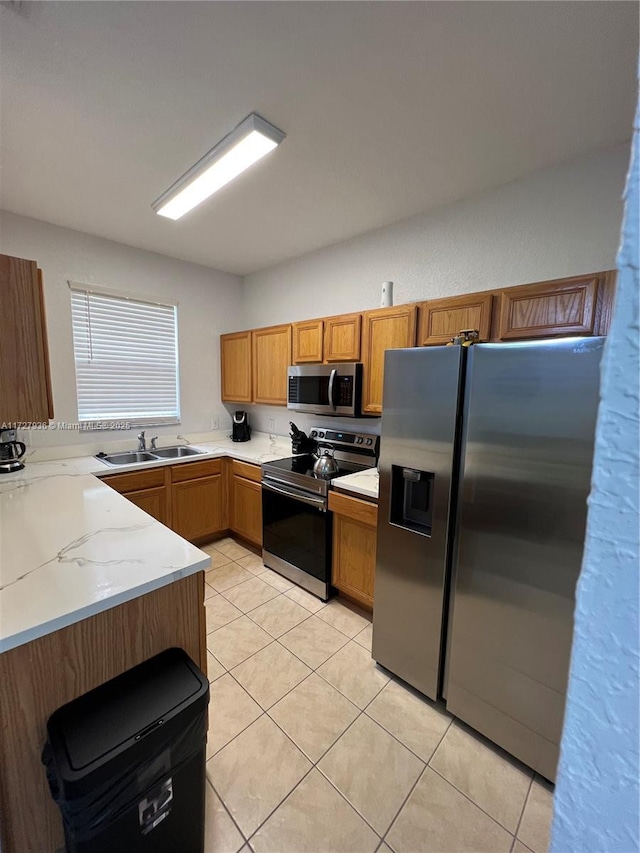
pixel 241 428
pixel 11 452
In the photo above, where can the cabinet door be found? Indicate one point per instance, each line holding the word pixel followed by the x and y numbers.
pixel 271 358
pixel 246 509
pixel 197 507
pixel 342 338
pixel 565 307
pixel 153 501
pixel 383 329
pixel 24 370
pixel 307 342
pixel 354 546
pixel 235 366
pixel 442 319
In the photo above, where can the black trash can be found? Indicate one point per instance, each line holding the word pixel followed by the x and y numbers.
pixel 126 761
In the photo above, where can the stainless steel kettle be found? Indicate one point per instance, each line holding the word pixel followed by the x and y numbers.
pixel 325 464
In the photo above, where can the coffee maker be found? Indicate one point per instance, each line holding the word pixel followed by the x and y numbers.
pixel 241 428
pixel 11 452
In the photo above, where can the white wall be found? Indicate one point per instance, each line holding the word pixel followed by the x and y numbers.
pixel 597 792
pixel 209 303
pixel 553 223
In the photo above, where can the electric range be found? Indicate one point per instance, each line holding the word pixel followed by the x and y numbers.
pixel 296 522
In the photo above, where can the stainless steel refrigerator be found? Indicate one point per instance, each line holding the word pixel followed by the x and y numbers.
pixel 485 468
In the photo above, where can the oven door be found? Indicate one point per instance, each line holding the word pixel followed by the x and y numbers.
pixel 325 389
pixel 296 536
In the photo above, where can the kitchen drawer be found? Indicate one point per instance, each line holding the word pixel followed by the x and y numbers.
pixel 135 480
pixel 359 510
pixel 247 470
pixel 192 470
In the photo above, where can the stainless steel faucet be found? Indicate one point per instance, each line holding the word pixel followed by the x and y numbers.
pixel 142 444
pixel 153 443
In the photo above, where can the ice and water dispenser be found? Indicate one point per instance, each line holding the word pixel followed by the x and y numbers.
pixel 411 504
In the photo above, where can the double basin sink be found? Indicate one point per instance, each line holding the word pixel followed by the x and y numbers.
pixel 133 457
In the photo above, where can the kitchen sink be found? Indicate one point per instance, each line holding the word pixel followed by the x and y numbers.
pixel 133 457
pixel 128 458
pixel 176 452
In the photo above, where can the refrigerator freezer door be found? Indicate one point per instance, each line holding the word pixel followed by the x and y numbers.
pixel 530 417
pixel 421 396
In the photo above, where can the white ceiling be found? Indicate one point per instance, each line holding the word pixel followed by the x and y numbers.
pixel 390 108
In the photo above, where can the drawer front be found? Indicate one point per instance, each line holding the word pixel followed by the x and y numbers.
pixel 362 511
pixel 135 480
pixel 192 470
pixel 247 470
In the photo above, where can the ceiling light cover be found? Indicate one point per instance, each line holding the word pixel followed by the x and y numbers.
pixel 248 142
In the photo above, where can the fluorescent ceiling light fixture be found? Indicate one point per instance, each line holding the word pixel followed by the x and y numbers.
pixel 248 142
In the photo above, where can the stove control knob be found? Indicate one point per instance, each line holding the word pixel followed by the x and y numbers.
pixel 369 441
pixel 321 434
pixel 313 433
pixel 358 440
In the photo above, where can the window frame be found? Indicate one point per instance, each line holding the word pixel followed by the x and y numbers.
pixel 94 424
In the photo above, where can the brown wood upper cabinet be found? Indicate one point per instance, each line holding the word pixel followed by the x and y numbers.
pixel 442 319
pixel 383 329
pixel 235 362
pixel 271 358
pixel 342 337
pixel 564 307
pixel 25 386
pixel 307 342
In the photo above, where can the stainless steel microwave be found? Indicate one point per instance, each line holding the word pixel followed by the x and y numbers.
pixel 325 389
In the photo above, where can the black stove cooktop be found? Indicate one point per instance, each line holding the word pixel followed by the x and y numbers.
pixel 304 463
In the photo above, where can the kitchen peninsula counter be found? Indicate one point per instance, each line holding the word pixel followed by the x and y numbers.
pixel 90 585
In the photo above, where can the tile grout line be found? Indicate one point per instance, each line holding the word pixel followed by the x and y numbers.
pixel 361 711
pixel 420 775
pixel 223 804
pixel 467 797
pixel 524 806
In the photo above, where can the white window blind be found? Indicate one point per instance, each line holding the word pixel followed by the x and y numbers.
pixel 126 354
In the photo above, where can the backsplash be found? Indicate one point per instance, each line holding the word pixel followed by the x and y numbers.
pixel 275 419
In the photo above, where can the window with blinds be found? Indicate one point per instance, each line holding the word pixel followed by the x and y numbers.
pixel 126 354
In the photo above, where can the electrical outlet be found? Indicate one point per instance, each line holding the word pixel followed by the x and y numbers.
pixel 215 424
pixel 272 425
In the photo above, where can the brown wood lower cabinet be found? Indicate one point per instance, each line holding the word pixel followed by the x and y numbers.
pixel 190 498
pixel 153 501
pixel 245 501
pixel 196 507
pixel 354 546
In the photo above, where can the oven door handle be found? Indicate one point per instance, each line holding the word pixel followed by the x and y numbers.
pixel 296 496
pixel 332 380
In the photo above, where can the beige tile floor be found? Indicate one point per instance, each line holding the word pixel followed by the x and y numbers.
pixel 313 748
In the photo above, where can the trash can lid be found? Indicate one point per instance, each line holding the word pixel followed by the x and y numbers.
pixel 122 709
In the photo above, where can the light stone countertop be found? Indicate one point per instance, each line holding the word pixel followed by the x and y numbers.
pixel 71 547
pixel 365 483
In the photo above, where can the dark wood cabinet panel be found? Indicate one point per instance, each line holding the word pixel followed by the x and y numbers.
pixel 25 387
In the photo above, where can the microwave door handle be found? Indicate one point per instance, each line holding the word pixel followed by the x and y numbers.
pixel 332 380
